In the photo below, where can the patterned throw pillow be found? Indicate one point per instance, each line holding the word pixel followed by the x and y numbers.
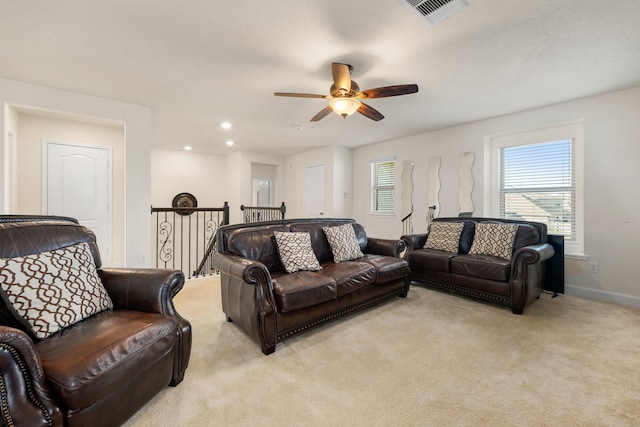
pixel 494 239
pixel 296 252
pixel 52 290
pixel 343 242
pixel 444 236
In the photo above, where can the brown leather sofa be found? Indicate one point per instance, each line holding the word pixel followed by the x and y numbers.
pixel 270 304
pixel 100 370
pixel 516 282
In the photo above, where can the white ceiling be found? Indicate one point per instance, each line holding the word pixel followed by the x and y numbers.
pixel 197 63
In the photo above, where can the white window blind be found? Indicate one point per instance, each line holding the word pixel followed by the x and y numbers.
pixel 382 186
pixel 538 183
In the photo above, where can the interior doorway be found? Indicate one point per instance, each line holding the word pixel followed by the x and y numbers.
pixel 314 191
pixel 264 179
pixel 76 182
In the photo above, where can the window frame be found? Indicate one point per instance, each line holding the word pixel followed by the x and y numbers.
pixel 375 187
pixel 573 131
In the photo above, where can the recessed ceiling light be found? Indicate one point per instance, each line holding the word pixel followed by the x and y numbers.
pixel 187 148
pixel 229 143
pixel 225 125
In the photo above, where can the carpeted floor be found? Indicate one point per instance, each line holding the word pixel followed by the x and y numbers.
pixel 432 359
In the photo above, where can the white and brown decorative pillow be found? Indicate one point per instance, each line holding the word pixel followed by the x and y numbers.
pixel 343 242
pixel 52 290
pixel 295 251
pixel 494 239
pixel 444 236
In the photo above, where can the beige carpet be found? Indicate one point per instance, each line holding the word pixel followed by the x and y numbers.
pixel 433 359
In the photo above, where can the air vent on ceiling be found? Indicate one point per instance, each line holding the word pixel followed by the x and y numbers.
pixel 435 11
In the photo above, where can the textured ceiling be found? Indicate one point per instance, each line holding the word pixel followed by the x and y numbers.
pixel 197 63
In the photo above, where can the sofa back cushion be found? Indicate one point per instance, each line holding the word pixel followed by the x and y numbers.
pixel 257 244
pixel 32 237
pixel 256 241
pixel 28 238
pixel 527 235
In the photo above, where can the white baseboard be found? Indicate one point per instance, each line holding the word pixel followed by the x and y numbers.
pixel 611 297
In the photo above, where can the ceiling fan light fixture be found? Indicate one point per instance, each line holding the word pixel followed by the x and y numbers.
pixel 344 106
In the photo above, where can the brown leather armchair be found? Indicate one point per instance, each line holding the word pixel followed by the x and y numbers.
pixel 100 370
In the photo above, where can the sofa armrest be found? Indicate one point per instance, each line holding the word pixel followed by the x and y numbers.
pixel 248 298
pixel 414 241
pixel 389 247
pixel 26 400
pixel 143 289
pixel 151 290
pixel 533 254
pixel 250 272
pixel 527 274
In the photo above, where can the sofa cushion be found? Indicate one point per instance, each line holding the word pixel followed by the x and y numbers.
pixel 466 237
pixel 53 289
pixel 430 259
pixel 303 289
pixel 343 242
pixel 350 275
pixel 494 239
pixel 295 252
pixel 482 266
pixel 89 360
pixel 527 235
pixel 387 267
pixel 257 244
pixel 444 236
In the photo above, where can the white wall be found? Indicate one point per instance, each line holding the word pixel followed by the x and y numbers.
pixel 612 208
pixel 342 186
pixel 137 123
pixel 173 172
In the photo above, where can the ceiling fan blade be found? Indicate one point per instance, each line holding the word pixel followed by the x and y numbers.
pixel 370 112
pixel 383 92
pixel 322 114
pixel 301 95
pixel 341 76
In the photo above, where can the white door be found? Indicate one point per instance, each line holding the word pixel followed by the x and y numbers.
pixel 77 183
pixel 314 193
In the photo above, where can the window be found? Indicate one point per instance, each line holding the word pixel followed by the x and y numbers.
pixel 382 187
pixel 537 177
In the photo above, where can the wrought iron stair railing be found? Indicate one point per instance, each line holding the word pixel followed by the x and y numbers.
pixel 262 213
pixel 186 237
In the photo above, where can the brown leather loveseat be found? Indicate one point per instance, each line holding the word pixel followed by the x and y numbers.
pixel 497 260
pixel 271 304
pixel 101 369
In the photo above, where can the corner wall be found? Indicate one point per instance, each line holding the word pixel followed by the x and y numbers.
pixel 611 205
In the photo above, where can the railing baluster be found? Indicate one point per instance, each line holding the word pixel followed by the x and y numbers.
pixel 262 213
pixel 178 235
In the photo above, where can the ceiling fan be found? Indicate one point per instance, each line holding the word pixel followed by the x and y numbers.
pixel 345 98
